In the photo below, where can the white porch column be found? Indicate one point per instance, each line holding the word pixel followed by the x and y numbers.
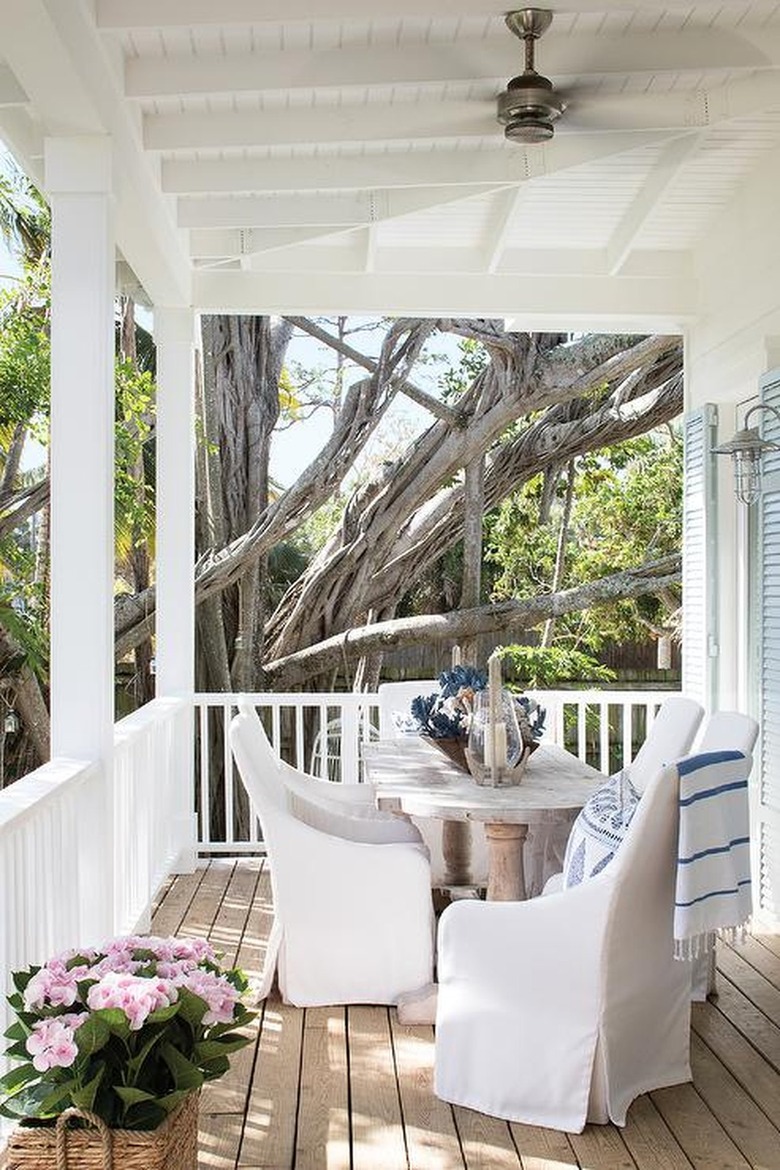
pixel 78 184
pixel 174 331
pixel 175 607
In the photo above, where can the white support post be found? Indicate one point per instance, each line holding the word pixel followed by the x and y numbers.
pixel 78 184
pixel 175 560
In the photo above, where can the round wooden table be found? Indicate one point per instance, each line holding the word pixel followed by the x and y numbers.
pixel 411 776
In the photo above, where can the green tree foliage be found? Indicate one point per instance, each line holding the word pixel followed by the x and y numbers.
pixel 627 509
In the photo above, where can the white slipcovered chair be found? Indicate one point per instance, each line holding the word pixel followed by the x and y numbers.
pixel 668 739
pixel 395 699
pixel 563 1009
pixel 353 920
pixel 322 803
pixel 729 730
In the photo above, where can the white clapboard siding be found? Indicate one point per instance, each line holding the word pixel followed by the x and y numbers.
pixel 767 798
pixel 700 638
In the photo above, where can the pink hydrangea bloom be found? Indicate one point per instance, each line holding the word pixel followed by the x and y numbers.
pixel 196 949
pixel 55 987
pixel 220 995
pixel 136 996
pixel 51 1044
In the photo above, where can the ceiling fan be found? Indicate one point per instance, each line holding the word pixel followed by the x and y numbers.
pixel 530 105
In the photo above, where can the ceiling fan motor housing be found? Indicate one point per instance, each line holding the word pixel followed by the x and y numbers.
pixel 528 107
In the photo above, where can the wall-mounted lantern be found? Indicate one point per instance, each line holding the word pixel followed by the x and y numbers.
pixel 747 450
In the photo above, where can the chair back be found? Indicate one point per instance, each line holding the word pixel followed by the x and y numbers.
pixel 258 742
pixel 669 739
pixel 395 698
pixel 259 774
pixel 729 730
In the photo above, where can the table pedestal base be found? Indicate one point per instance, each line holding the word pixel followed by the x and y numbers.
pixel 506 881
pixel 456 847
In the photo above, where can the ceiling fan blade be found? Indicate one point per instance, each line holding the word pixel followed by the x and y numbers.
pixel 672 110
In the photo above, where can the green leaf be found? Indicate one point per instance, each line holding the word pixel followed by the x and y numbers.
pixel 171 1100
pixel 18 1076
pixel 116 1019
pixel 192 1008
pixel 160 1015
pixel 185 1074
pixel 22 978
pixel 215 1068
pixel 52 1102
pixel 132 1096
pixel 93 1035
pixel 85 1098
pixel 136 1062
pixel 17 1031
pixel 208 1049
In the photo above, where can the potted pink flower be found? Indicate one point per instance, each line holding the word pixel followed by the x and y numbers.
pixel 123 1036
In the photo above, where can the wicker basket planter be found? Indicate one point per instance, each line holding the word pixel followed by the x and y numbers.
pixel 172 1146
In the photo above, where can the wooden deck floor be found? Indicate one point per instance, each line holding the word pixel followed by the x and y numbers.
pixel 350 1089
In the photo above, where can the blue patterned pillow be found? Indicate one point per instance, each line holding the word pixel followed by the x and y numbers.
pixel 599 829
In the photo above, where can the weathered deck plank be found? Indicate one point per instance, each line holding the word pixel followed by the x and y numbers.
pixel 352 1089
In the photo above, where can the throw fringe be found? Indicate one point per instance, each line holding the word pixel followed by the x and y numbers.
pixel 688 949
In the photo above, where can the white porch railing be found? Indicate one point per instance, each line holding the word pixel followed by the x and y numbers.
pixel 322 733
pixel 81 859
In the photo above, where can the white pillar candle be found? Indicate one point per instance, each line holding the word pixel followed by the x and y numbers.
pixel 495 746
pixel 456 656
pixel 495 757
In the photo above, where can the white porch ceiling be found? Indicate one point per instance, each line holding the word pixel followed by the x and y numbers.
pixel 348 158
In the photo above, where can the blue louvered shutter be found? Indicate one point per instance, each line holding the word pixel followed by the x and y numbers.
pixel 767 798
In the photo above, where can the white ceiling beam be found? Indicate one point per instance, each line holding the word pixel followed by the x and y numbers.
pixel 11 92
pixel 505 207
pixel 324 211
pixel 375 121
pixel 329 212
pixel 121 14
pixel 233 243
pixel 614 304
pixel 499 166
pixel 348 255
pixel 488 59
pixel 347 123
pixel 672 159
pixel 285 254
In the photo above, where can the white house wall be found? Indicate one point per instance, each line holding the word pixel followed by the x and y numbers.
pixel 735 341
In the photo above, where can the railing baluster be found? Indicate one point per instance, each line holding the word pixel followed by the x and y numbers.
pixel 205 758
pixel 604 737
pixel 628 733
pixel 227 774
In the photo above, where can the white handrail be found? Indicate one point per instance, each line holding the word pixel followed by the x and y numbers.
pixel 321 733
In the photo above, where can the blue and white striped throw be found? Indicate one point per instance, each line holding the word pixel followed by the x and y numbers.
pixel 712 894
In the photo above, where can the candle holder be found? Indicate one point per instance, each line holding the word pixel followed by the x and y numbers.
pixel 495 753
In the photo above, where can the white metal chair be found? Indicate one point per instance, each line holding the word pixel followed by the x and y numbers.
pixel 395 700
pixel 353 921
pixel 563 1009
